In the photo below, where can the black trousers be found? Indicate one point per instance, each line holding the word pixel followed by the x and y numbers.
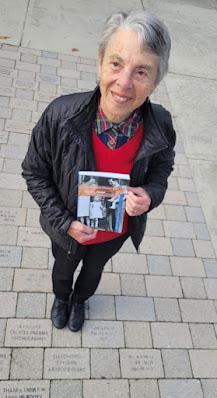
pixel 94 258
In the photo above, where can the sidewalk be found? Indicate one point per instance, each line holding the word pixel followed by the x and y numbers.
pixel 151 329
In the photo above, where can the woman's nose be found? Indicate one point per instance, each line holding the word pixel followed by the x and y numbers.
pixel 125 80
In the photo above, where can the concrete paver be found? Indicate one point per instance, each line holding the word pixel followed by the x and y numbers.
pixel 151 329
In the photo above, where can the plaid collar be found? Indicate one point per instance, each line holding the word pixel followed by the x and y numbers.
pixel 128 127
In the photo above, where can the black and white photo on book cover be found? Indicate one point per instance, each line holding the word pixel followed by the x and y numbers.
pixel 102 199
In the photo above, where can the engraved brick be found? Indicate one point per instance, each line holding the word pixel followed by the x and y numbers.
pixel 12 181
pixel 156 286
pixel 198 311
pixel 203 336
pixel 47 88
pixel 182 247
pixel 8 311
pixel 34 257
pixel 105 389
pixel 66 389
pixel 27 66
pixel 10 198
pixel 156 245
pixel 130 263
pixel 186 184
pixel 31 305
pixel 25 84
pixel 103 334
pixel 144 388
pixel 135 308
pixel 25 50
pixel 6 279
pixel 167 310
pixel 3 137
pixel 89 76
pixel 8 73
pixel 203 249
pixel 21 114
pixel 105 364
pixel 42 96
pixel 171 335
pixel 66 363
pixel 48 69
pixel 70 73
pixel 27 363
pixel 140 339
pixel 12 216
pixel 88 61
pixel 180 388
pixel 140 364
pixel 68 57
pixel 48 78
pixel 188 266
pixel 102 307
pixel 204 363
pixel 32 280
pixel 28 333
pixel 8 235
pixel 29 236
pixel 41 386
pixel 5 358
pixel 176 364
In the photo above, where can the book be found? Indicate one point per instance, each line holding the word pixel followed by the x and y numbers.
pixel 102 199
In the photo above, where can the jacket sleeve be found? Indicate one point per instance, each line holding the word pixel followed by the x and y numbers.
pixel 38 173
pixel 160 167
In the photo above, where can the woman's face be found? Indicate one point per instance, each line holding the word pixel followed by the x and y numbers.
pixel 127 75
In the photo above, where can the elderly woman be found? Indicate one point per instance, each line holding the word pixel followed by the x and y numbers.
pixel 115 128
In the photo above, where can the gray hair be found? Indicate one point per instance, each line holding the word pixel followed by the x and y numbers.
pixel 153 35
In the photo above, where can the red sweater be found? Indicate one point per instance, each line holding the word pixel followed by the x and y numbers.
pixel 118 160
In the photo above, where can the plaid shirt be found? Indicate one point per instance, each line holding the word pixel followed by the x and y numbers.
pixel 115 135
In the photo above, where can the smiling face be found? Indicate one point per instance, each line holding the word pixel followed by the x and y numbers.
pixel 127 75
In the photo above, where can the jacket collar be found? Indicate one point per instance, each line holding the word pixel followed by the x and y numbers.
pixel 154 137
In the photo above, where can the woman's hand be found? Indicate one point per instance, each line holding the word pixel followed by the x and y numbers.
pixel 137 201
pixel 81 232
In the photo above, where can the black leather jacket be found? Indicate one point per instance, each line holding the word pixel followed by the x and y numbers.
pixel 61 145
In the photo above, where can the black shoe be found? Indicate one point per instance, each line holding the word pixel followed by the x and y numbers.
pixel 59 313
pixel 76 317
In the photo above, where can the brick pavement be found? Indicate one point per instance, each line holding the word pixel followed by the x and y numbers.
pixel 151 328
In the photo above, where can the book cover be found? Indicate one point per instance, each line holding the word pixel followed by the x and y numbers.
pixel 102 199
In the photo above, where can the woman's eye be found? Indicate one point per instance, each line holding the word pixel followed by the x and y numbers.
pixel 115 65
